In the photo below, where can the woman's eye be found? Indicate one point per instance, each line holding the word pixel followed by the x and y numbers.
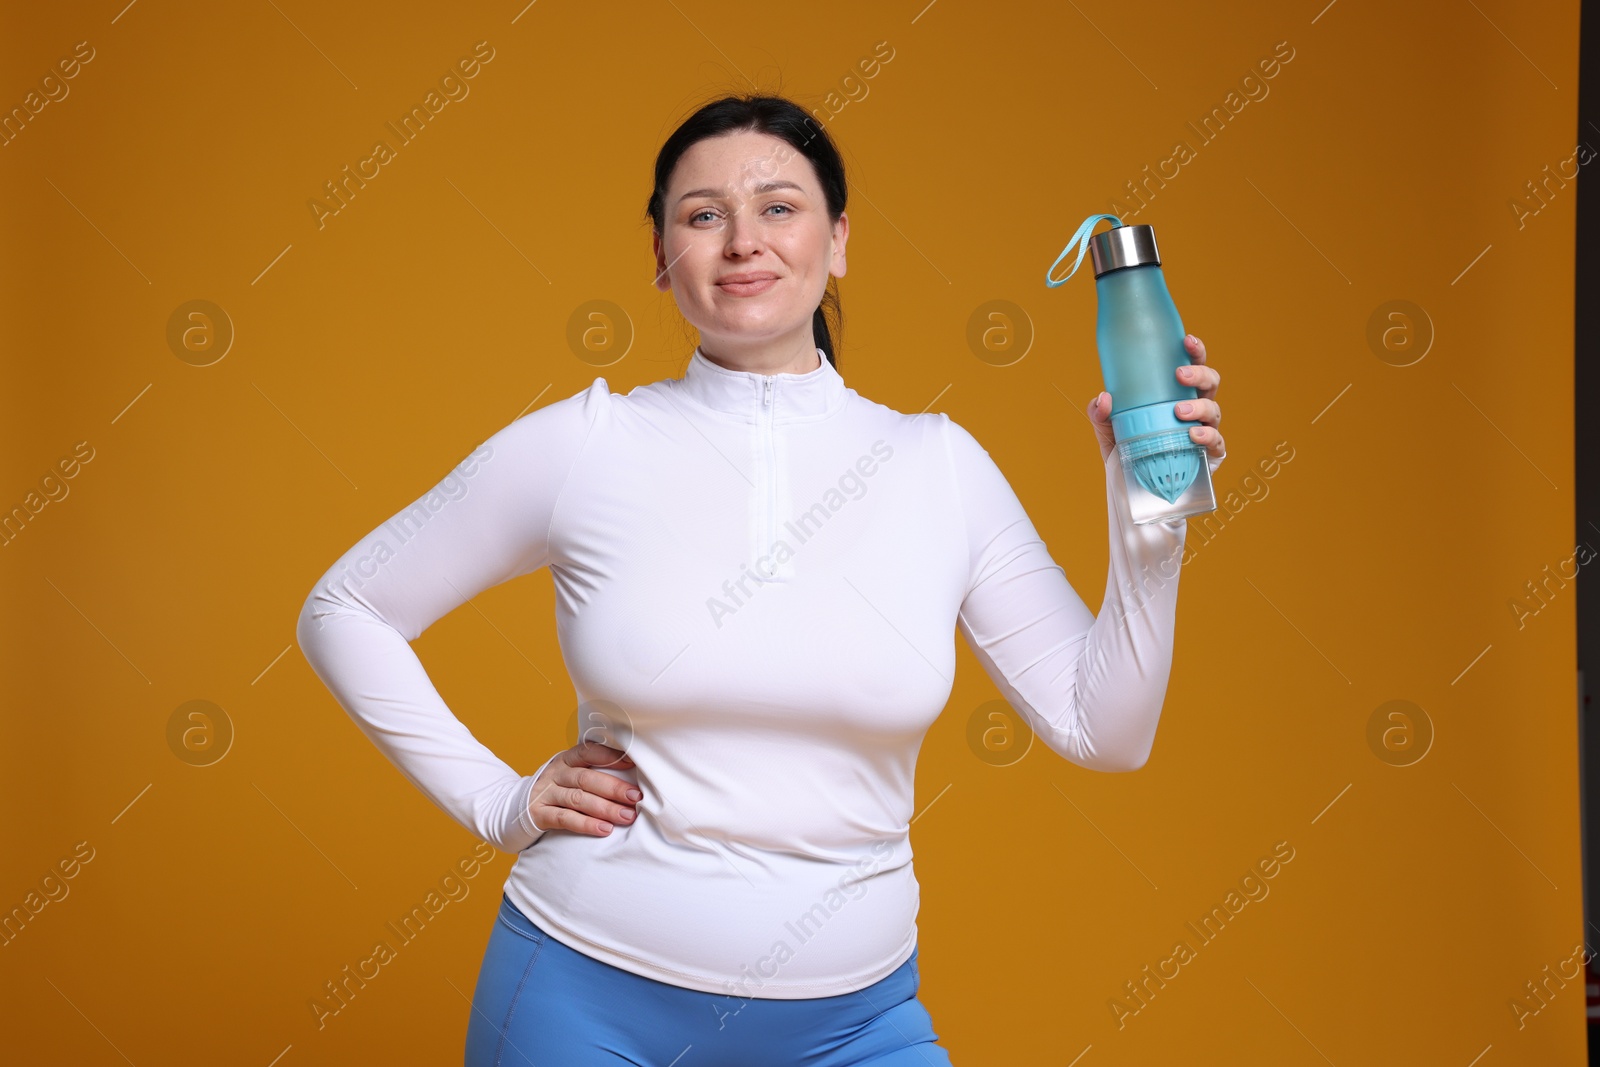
pixel 703 212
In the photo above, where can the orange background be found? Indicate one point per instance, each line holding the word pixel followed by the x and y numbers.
pixel 373 353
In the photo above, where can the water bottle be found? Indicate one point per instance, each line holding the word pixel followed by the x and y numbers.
pixel 1140 338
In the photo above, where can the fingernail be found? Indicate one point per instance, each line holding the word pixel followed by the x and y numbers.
pixel 1184 409
pixel 1191 338
pixel 634 794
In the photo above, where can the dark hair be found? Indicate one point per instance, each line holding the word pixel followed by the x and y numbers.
pixel 781 118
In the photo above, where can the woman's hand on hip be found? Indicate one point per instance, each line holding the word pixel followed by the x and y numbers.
pixel 1204 409
pixel 570 794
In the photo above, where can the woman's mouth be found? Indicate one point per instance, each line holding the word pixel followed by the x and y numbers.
pixel 748 288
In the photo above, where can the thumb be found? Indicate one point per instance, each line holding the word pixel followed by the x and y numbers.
pixel 595 754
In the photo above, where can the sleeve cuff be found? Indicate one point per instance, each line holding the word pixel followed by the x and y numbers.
pixel 527 831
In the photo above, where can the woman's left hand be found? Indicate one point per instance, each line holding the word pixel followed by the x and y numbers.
pixel 1205 409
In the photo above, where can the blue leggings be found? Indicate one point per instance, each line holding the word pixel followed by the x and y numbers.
pixel 540 1003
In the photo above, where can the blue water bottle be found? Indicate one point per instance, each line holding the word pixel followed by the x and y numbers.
pixel 1140 338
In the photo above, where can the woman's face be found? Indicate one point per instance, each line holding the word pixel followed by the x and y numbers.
pixel 748 203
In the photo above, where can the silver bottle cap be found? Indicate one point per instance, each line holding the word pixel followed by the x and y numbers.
pixel 1123 246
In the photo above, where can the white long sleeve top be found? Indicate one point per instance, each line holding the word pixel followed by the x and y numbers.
pixel 757 578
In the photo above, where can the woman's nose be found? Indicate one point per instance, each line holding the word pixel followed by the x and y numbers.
pixel 742 233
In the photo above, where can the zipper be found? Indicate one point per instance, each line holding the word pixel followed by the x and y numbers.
pixel 767 506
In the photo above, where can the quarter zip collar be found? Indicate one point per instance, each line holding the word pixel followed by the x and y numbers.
pixel 778 397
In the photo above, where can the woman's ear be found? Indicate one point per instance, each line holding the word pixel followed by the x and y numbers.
pixel 841 234
pixel 662 281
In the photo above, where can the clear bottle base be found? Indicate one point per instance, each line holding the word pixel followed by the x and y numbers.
pixel 1157 465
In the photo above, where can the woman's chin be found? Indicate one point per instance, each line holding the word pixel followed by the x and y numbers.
pixel 748 327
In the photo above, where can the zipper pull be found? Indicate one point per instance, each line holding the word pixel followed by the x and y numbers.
pixel 767 397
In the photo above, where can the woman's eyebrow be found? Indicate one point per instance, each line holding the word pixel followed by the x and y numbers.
pixel 764 187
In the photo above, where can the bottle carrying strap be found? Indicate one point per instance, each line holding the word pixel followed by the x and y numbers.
pixel 1081 239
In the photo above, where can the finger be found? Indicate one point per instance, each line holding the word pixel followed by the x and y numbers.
pixel 551 817
pixel 1205 379
pixel 1210 438
pixel 602 795
pixel 585 799
pixel 1196 347
pixel 1206 411
pixel 594 754
pixel 620 792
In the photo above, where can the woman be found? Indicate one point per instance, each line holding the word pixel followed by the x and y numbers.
pixel 757 574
